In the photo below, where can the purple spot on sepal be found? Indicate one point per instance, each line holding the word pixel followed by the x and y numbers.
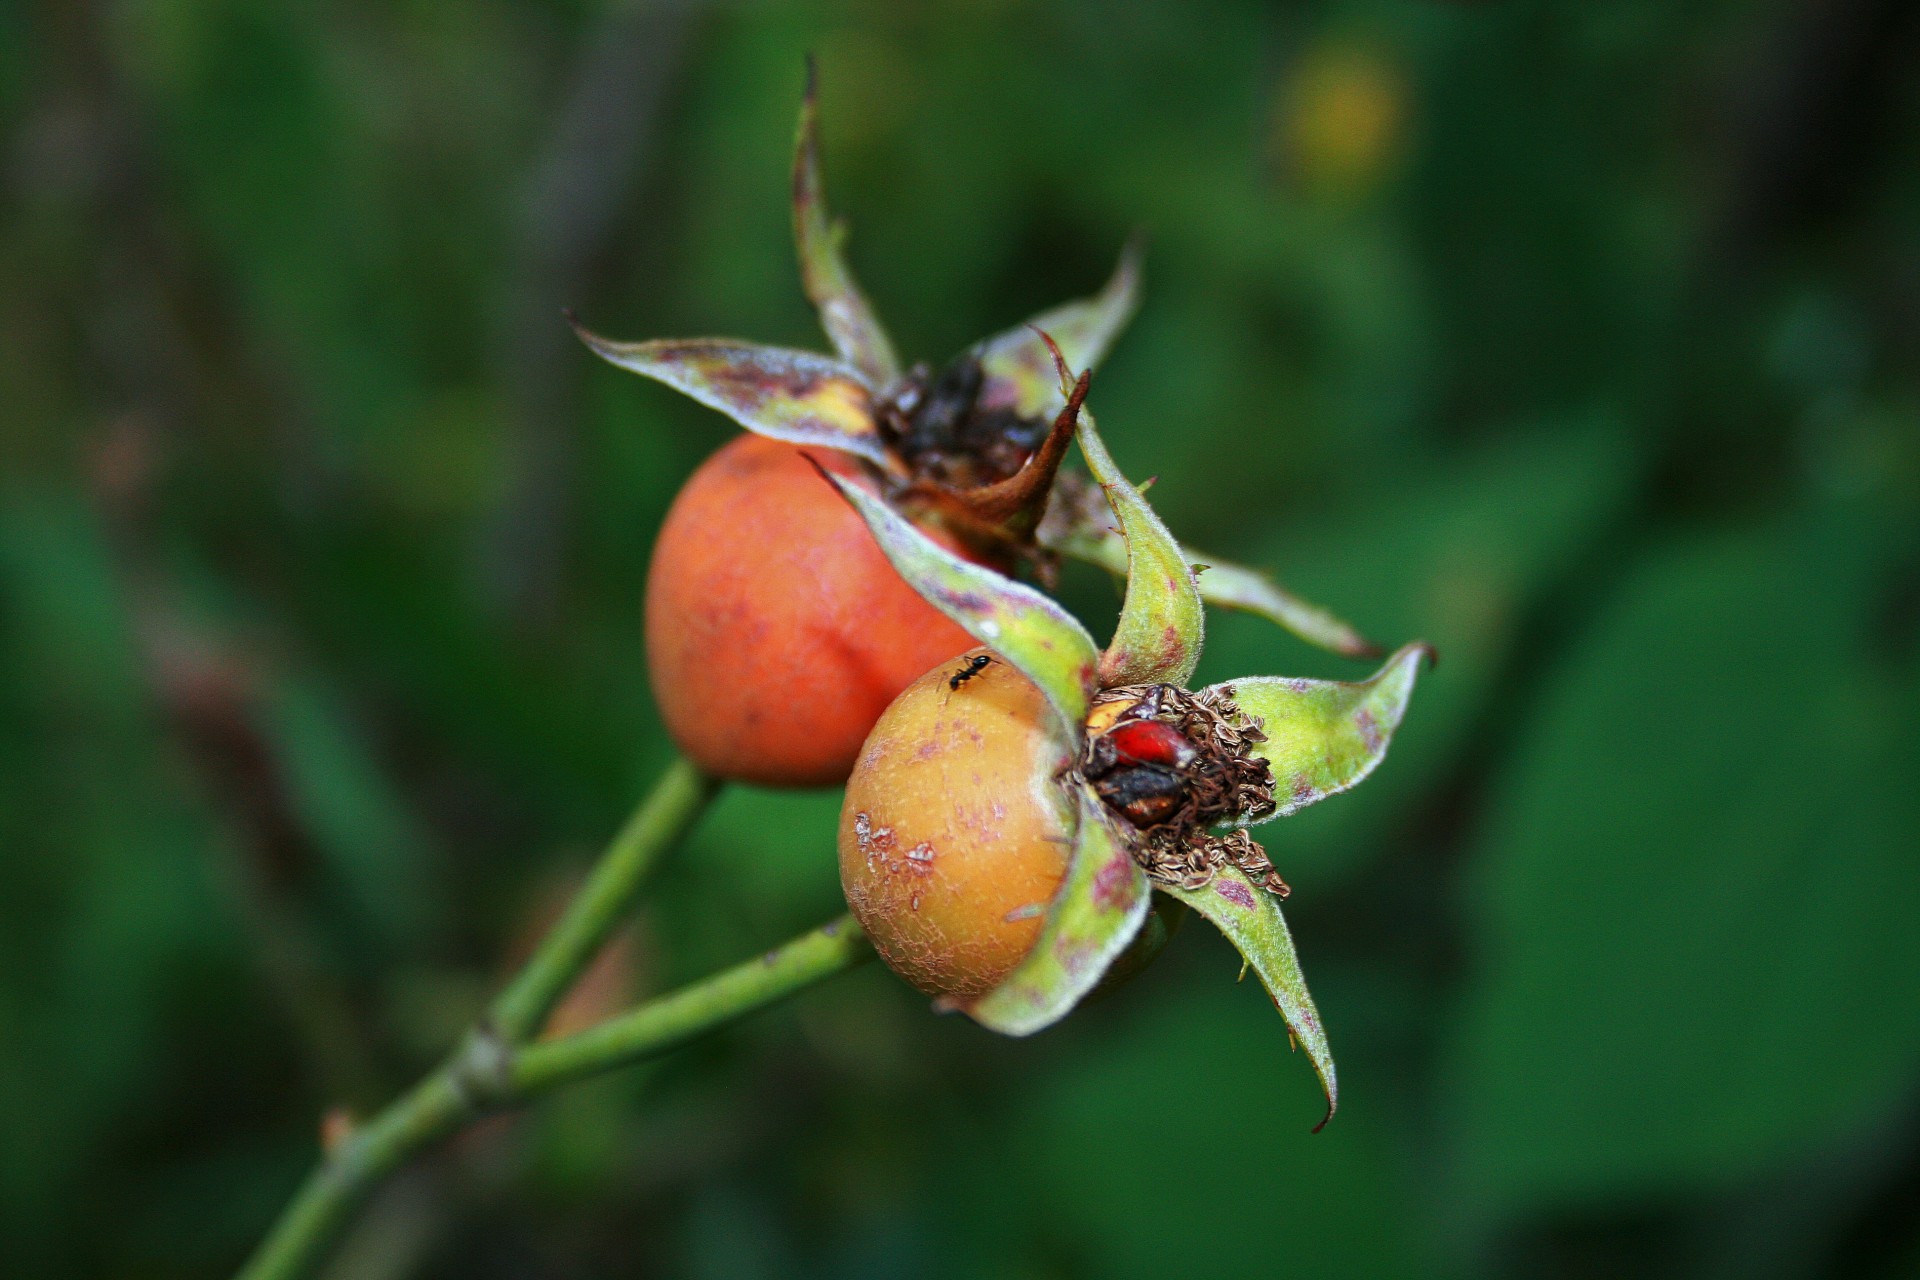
pixel 1235 892
pixel 1369 730
pixel 1072 953
pixel 1112 882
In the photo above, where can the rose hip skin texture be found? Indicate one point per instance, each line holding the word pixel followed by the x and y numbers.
pixel 776 630
pixel 953 822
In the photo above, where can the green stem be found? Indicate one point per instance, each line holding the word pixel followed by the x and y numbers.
pixel 692 1011
pixel 487 1074
pixel 321 1209
pixel 602 903
pixel 450 1095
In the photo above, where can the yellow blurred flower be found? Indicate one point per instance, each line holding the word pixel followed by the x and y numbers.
pixel 1339 119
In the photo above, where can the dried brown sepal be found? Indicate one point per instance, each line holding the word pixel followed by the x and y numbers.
pixel 1004 514
pixel 1223 782
pixel 935 425
pixel 1193 862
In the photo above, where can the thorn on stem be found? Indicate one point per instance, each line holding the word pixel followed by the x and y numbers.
pixel 337 1125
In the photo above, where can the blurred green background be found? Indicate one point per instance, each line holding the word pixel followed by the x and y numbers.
pixel 1582 340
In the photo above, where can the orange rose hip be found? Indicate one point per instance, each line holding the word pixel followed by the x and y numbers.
pixel 953 835
pixel 776 630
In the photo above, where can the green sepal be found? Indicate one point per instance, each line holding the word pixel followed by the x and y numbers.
pixel 1162 623
pixel 1041 640
pixel 1092 918
pixel 1083 531
pixel 1233 586
pixel 845 313
pixel 1018 369
pixel 798 396
pixel 1324 736
pixel 1250 918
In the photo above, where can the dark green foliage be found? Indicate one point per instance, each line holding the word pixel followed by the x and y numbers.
pixel 1567 337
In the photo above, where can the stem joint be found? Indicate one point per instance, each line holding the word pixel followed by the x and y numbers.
pixel 481 1070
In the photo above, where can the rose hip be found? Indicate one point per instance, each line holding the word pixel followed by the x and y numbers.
pixel 776 630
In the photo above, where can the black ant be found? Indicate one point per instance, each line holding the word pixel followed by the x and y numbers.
pixel 975 665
